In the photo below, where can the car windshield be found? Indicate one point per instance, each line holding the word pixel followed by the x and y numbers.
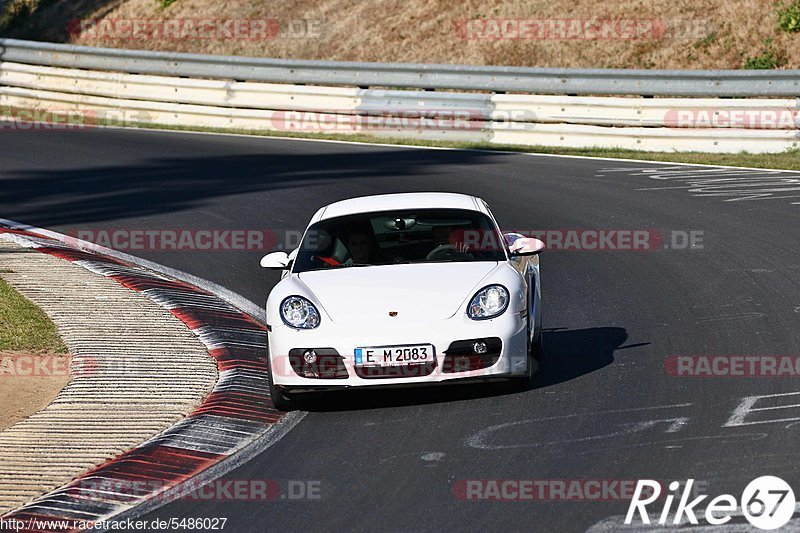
pixel 400 237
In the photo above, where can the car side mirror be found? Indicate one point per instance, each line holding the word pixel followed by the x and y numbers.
pixel 525 246
pixel 276 261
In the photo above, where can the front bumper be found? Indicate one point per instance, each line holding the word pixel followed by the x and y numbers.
pixel 510 328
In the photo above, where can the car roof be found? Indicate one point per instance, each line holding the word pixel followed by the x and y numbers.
pixel 410 200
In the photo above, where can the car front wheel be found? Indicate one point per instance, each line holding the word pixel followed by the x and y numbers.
pixel 534 355
pixel 280 400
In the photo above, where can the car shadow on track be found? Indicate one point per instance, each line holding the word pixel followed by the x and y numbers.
pixel 568 354
pixel 571 353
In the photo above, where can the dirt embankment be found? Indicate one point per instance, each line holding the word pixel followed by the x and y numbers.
pixel 34 365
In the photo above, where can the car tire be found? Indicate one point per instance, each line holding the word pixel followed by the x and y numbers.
pixel 280 400
pixel 537 349
pixel 534 351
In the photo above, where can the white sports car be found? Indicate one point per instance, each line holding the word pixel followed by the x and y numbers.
pixel 403 289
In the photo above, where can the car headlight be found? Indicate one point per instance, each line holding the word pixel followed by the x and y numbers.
pixel 298 312
pixel 489 302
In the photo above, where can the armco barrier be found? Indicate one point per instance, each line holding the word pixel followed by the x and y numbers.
pixel 423 76
pixel 232 93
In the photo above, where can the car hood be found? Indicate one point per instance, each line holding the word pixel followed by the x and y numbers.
pixel 417 293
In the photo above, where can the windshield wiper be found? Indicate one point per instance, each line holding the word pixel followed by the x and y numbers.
pixel 421 261
pixel 343 265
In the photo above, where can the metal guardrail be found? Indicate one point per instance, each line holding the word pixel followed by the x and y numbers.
pixel 604 110
pixel 134 87
pixel 720 83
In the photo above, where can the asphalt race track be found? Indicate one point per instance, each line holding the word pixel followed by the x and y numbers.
pixel 604 407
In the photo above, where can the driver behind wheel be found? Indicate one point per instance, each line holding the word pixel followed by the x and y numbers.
pixel 446 244
pixel 445 236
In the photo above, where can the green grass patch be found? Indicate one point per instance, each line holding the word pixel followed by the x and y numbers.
pixel 789 17
pixel 770 58
pixel 25 327
pixel 766 61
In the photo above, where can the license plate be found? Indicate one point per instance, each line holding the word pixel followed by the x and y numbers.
pixel 395 355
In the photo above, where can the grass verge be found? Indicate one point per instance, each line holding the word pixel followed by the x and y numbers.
pixel 29 347
pixel 25 327
pixel 788 160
